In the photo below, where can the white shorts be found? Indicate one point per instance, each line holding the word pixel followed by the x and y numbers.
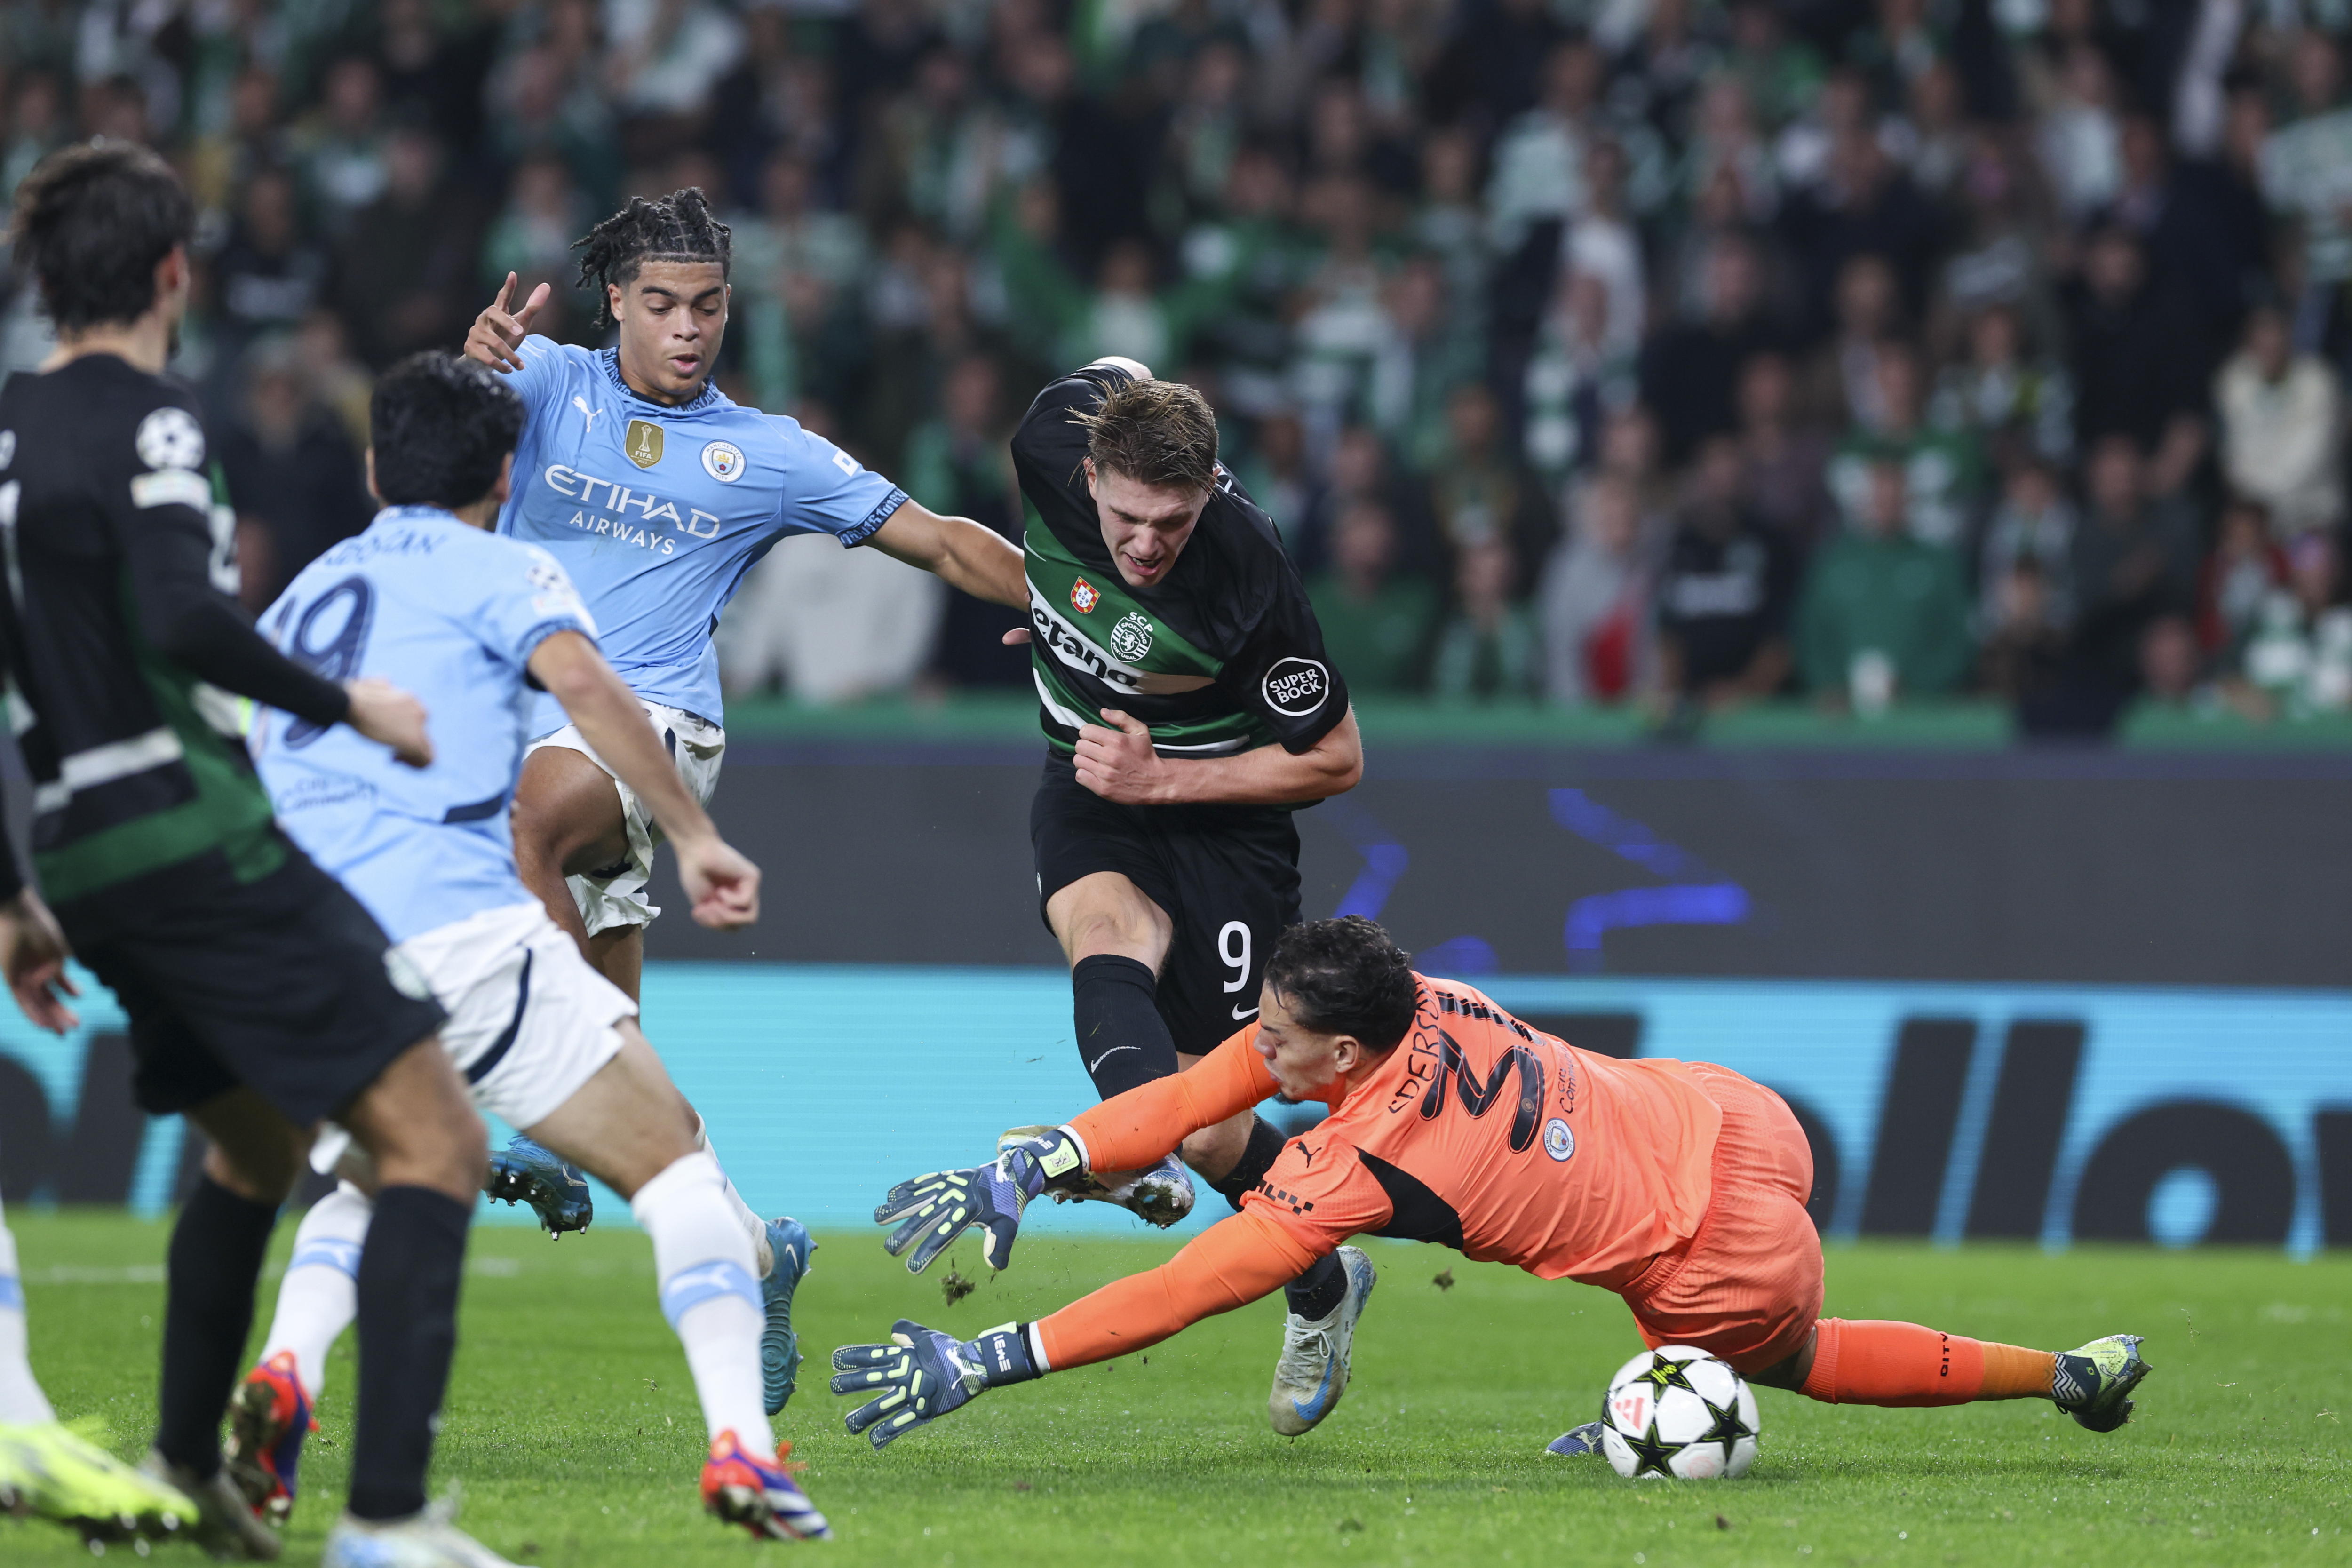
pixel 530 1022
pixel 615 895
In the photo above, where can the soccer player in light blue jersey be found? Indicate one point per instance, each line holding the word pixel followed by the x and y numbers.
pixel 484 627
pixel 657 492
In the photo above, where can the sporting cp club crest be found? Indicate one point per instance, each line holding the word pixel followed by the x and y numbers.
pixel 642 442
pixel 722 460
pixel 1132 639
pixel 1083 596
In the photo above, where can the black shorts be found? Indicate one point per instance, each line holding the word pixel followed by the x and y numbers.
pixel 284 984
pixel 1226 875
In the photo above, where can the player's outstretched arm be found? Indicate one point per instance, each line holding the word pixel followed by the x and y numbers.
pixel 723 884
pixel 964 554
pixel 496 337
pixel 161 519
pixel 1125 1132
pixel 922 1375
pixel 1115 761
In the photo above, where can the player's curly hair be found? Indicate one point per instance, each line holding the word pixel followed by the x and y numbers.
pixel 1345 976
pixel 91 223
pixel 678 227
pixel 1156 433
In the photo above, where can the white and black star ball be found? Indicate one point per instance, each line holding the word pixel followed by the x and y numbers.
pixel 170 439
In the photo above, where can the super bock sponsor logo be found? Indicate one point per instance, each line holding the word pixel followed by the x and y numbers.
pixel 1132 639
pixel 1295 687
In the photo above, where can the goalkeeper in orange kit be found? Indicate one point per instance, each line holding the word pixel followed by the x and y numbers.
pixel 1680 1185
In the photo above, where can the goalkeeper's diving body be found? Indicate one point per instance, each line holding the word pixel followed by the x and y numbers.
pixel 1679 1185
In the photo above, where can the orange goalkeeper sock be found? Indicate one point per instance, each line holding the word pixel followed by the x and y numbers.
pixel 1875 1363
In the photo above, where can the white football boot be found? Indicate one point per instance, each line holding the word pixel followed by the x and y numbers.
pixel 426 1539
pixel 1313 1372
pixel 1160 1195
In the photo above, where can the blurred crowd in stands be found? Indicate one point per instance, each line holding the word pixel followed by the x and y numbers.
pixel 1679 352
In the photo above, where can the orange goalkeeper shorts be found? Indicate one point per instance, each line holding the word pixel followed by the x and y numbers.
pixel 1747 1285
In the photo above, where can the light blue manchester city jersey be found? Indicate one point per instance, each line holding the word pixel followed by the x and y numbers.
pixel 452 614
pixel 657 513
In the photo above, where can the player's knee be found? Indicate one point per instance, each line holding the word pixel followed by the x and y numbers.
pixel 449 1151
pixel 1215 1151
pixel 259 1171
pixel 1128 928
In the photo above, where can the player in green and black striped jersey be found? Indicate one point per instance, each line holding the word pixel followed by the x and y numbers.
pixel 261 997
pixel 1189 709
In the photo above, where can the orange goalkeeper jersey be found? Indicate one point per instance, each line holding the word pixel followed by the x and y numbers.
pixel 1475 1131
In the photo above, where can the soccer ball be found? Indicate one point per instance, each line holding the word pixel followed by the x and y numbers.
pixel 1678 1412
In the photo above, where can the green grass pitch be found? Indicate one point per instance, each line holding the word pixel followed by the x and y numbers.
pixel 573 1425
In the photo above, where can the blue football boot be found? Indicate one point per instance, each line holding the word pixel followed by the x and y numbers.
pixel 557 1190
pixel 1575 1441
pixel 780 1348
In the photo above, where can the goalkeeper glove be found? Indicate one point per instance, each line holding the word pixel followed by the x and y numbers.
pixel 921 1374
pixel 932 1211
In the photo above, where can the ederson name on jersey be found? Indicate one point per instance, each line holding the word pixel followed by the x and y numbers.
pixel 658 511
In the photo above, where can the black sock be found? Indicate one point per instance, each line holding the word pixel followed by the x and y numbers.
pixel 1123 1041
pixel 1318 1293
pixel 408 1332
pixel 215 1256
pixel 1264 1147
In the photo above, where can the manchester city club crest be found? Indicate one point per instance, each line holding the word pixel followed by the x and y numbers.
pixel 1083 596
pixel 723 461
pixel 1132 639
pixel 643 443
pixel 1559 1141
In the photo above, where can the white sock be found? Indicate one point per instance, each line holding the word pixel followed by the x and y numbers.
pixel 22 1403
pixel 753 1226
pixel 708 1294
pixel 320 1293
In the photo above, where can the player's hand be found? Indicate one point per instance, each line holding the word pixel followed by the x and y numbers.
pixel 931 1211
pixel 922 1375
pixel 385 713
pixel 1119 763
pixel 723 884
pixel 496 335
pixel 32 954
pixel 1015 637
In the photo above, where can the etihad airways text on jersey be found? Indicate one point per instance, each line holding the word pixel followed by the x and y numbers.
pixel 619 499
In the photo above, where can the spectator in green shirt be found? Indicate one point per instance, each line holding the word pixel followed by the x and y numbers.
pixel 1490 649
pixel 1878 597
pixel 1943 469
pixel 1376 623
